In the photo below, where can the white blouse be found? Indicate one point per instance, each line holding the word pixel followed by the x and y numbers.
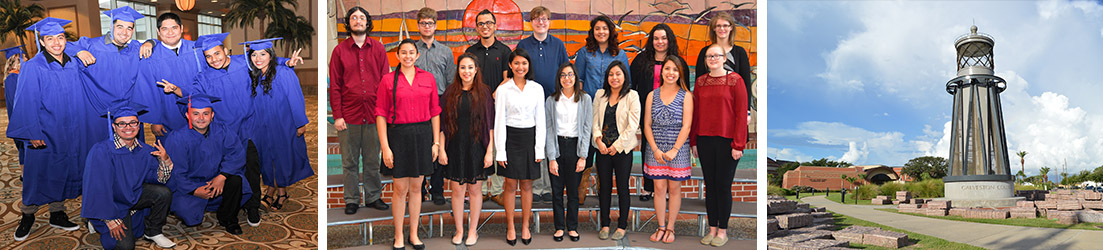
pixel 566 116
pixel 518 108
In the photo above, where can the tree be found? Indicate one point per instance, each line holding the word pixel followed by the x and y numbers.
pixel 933 166
pixel 1021 176
pixel 827 163
pixel 16 18
pixel 296 31
pixel 777 179
pixel 1022 160
pixel 1044 175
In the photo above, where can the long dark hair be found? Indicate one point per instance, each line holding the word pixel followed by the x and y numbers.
pixel 479 97
pixel 648 53
pixel 348 15
pixel 559 85
pixel 519 52
pixel 680 65
pixel 606 87
pixel 613 45
pixel 256 73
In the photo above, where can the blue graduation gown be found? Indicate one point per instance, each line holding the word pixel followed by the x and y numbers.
pixel 197 159
pixel 114 71
pixel 9 90
pixel 280 112
pixel 10 83
pixel 179 68
pixel 51 105
pixel 115 178
pixel 232 84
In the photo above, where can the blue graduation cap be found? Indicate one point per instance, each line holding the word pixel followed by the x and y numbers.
pixel 261 44
pixel 122 108
pixel 125 13
pixel 207 42
pixel 49 26
pixel 198 101
pixel 12 51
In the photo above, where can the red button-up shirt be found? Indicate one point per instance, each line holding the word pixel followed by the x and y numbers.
pixel 412 103
pixel 354 74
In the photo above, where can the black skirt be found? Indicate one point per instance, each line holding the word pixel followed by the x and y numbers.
pixel 520 155
pixel 412 145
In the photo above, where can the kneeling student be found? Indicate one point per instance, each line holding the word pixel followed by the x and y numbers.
pixel 124 184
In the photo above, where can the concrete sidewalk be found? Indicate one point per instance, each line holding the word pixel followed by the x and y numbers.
pixel 988 236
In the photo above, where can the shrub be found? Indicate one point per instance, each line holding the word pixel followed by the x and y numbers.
pixel 930 188
pixel 866 192
pixel 775 190
pixel 889 189
pixel 802 189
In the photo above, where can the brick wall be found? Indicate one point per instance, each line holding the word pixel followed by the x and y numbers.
pixel 820 178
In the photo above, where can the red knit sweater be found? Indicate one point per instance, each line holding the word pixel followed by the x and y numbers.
pixel 720 109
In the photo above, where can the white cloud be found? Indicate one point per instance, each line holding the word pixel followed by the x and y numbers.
pixel 863 146
pixel 788 154
pixel 904 51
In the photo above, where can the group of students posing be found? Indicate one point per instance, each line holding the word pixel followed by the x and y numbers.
pixel 79 133
pixel 509 109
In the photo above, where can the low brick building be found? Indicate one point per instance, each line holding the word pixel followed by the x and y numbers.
pixel 820 178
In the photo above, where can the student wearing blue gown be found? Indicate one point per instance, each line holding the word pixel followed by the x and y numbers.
pixel 111 62
pixel 208 174
pixel 11 69
pixel 279 121
pixel 171 59
pixel 124 195
pixel 49 106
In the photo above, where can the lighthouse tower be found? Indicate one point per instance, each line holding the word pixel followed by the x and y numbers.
pixel 979 171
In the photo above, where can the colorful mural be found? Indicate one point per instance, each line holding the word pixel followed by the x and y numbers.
pixel 570 21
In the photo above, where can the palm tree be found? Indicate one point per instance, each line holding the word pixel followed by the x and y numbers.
pixel 244 12
pixel 1022 160
pixel 1022 176
pixel 16 18
pixel 1044 173
pixel 297 32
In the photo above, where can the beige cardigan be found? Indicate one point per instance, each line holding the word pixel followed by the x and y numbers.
pixel 628 119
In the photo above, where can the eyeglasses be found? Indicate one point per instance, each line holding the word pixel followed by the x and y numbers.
pixel 542 19
pixel 132 124
pixel 358 18
pixel 714 56
pixel 485 24
pixel 430 23
pixel 567 75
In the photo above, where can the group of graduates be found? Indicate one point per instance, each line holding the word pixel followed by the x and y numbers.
pixel 77 109
pixel 530 117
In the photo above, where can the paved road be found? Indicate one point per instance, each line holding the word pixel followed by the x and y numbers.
pixel 988 236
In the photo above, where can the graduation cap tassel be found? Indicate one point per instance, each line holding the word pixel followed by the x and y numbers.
pixel 188 112
pixel 110 131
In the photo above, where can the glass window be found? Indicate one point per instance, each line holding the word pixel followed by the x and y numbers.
pixel 209 25
pixel 145 28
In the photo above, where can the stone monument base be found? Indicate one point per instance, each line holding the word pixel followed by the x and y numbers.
pixel 981 194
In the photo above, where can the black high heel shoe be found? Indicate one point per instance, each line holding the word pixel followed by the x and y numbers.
pixel 526 241
pixel 278 204
pixel 267 200
pixel 512 242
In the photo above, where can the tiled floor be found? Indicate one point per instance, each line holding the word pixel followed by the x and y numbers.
pixel 294 227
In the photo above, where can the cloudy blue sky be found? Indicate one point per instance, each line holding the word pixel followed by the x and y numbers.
pixel 864 81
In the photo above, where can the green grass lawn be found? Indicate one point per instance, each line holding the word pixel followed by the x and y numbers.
pixel 1022 222
pixel 919 241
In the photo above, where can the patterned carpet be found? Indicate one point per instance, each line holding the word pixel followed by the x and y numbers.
pixel 294 227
